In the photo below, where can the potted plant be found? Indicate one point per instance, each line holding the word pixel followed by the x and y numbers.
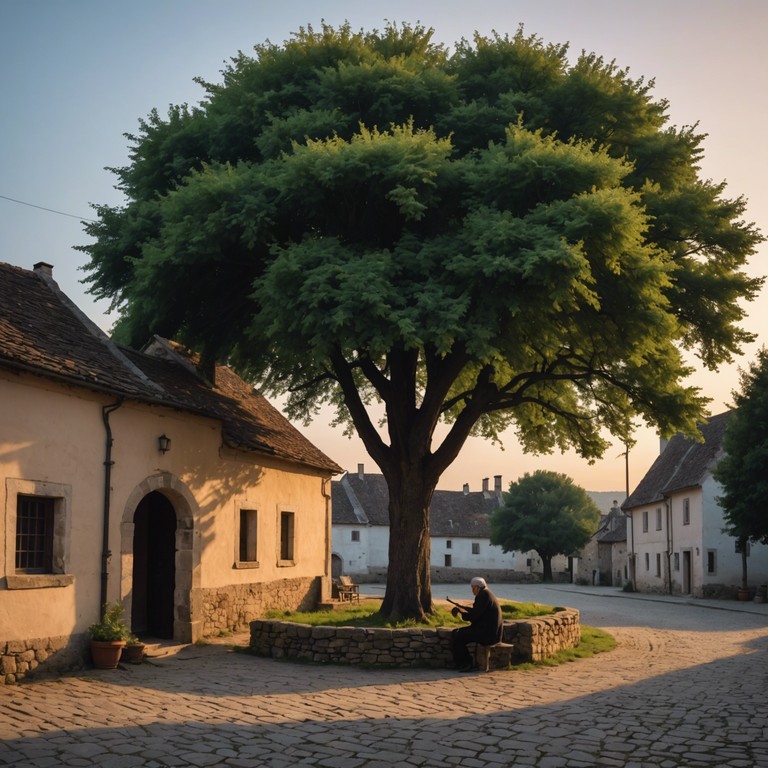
pixel 134 649
pixel 108 637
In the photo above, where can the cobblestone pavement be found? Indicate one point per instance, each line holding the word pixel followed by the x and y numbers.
pixel 685 687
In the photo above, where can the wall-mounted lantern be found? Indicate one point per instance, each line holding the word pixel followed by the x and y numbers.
pixel 163 443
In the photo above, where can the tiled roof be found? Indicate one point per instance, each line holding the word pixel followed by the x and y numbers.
pixel 41 331
pixel 613 527
pixel 682 464
pixel 452 513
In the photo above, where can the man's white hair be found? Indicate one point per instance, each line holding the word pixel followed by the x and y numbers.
pixel 478 581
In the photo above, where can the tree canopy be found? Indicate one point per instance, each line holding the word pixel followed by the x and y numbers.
pixel 489 236
pixel 546 512
pixel 743 470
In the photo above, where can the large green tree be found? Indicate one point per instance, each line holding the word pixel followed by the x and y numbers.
pixel 743 470
pixel 489 236
pixel 547 512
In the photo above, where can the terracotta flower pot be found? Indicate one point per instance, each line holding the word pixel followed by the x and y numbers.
pixel 134 652
pixel 106 653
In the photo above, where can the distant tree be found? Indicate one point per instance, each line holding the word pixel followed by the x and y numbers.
pixel 743 470
pixel 488 237
pixel 547 512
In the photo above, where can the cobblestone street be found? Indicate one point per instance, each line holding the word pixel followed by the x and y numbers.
pixel 685 687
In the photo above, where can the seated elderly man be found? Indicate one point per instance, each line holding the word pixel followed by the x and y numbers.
pixel 485 624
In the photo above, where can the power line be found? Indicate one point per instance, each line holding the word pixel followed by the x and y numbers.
pixel 50 210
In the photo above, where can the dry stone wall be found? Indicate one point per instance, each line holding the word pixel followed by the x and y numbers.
pixel 235 606
pixel 532 640
pixel 23 658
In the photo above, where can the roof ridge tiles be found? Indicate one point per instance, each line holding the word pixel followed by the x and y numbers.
pixel 94 329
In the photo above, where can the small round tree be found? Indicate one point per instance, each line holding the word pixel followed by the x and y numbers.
pixel 546 512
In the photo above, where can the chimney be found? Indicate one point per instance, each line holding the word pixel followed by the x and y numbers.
pixel 485 485
pixel 497 483
pixel 44 269
pixel 361 471
pixel 466 489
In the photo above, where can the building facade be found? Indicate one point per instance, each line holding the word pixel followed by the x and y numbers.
pixel 676 543
pixel 460 544
pixel 134 477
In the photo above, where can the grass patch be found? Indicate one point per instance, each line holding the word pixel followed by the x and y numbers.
pixel 593 641
pixel 366 614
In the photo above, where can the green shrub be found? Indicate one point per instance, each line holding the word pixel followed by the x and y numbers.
pixel 112 625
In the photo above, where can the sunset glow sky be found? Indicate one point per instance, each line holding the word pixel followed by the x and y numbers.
pixel 76 75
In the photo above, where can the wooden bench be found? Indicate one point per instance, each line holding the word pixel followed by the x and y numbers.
pixel 347 589
pixel 501 653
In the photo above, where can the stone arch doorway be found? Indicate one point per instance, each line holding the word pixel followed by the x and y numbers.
pixel 337 566
pixel 154 566
pixel 186 613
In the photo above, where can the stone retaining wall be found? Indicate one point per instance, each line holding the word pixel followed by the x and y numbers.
pixel 21 658
pixel 533 640
pixel 234 606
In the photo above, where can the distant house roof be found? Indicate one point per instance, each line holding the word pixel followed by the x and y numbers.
pixel 683 464
pixel 613 527
pixel 363 499
pixel 44 333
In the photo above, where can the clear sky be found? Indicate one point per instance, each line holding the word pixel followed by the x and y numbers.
pixel 76 75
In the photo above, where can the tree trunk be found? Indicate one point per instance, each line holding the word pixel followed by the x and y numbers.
pixel 547 563
pixel 743 543
pixel 409 588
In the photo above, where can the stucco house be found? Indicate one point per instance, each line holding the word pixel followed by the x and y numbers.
pixel 460 544
pixel 133 476
pixel 675 534
pixel 603 561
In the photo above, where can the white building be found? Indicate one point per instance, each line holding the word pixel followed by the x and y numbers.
pixel 675 534
pixel 459 533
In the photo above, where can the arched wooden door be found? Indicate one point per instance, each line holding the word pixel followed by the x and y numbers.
pixel 154 567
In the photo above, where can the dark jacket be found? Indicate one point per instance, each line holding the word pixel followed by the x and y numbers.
pixel 485 616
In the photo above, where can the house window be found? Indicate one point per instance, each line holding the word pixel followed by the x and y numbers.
pixel 658 518
pixel 712 561
pixel 247 549
pixel 475 548
pixel 647 562
pixel 645 521
pixel 686 511
pixel 34 534
pixel 448 561
pixel 38 518
pixel 658 564
pixel 448 544
pixel 676 560
pixel 287 537
pixel 355 535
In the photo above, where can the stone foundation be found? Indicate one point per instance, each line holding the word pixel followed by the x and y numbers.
pixel 47 655
pixel 235 606
pixel 533 640
pixel 225 609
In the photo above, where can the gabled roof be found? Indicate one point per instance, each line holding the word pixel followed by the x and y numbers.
pixel 684 463
pixel 613 527
pixel 365 501
pixel 43 332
